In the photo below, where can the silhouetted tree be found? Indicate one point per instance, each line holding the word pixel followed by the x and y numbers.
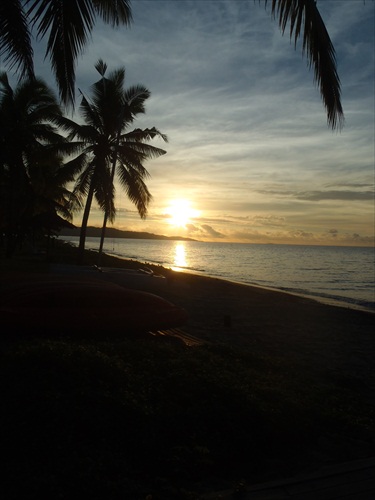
pixel 109 147
pixel 30 161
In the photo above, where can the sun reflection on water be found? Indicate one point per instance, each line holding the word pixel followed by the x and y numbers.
pixel 179 256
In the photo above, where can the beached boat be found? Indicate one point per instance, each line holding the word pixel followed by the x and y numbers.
pixel 65 305
pixel 137 279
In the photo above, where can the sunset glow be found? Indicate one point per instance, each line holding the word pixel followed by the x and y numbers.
pixel 248 141
pixel 181 213
pixel 179 257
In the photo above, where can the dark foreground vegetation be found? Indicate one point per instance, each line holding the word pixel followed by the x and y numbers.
pixel 151 418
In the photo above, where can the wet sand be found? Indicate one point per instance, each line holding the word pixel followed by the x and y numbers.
pixel 309 335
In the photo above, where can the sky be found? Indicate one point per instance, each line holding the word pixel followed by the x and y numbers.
pixel 250 157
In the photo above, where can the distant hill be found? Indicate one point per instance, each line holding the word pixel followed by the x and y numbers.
pixel 112 232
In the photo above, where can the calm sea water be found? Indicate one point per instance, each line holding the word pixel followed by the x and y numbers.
pixel 341 275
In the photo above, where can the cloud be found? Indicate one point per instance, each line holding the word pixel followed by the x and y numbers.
pixel 258 220
pixel 323 195
pixel 354 185
pixel 210 231
pixel 203 231
pixel 267 220
pixel 336 195
pixel 333 232
pixel 301 237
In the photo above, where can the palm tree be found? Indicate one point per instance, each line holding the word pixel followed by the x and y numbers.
pixel 306 21
pixel 109 147
pixel 29 143
pixel 53 202
pixel 70 22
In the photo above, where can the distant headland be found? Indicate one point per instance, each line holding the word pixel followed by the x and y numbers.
pixel 112 232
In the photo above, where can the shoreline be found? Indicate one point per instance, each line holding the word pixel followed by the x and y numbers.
pixel 342 303
pixel 247 316
pixel 335 292
pixel 300 370
pixel 232 299
pixel 126 262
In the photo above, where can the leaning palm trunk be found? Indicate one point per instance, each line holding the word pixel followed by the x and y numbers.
pixel 102 236
pixel 85 218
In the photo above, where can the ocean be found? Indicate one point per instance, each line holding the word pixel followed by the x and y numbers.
pixel 343 276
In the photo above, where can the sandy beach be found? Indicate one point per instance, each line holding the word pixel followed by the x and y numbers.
pixel 313 339
pixel 307 333
pixel 312 362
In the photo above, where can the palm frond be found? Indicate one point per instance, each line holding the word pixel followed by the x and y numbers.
pixel 135 188
pixel 15 39
pixel 107 99
pixel 105 197
pixel 6 91
pixel 74 202
pixel 68 148
pixel 85 133
pixel 65 207
pixel 306 22
pixel 69 171
pixel 117 79
pixel 114 13
pixel 101 67
pixel 69 25
pixel 146 134
pixel 137 153
pixel 134 100
pixel 133 160
pixel 46 134
pixel 90 114
pixel 83 182
pixel 69 126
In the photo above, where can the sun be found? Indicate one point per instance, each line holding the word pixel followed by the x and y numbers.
pixel 180 212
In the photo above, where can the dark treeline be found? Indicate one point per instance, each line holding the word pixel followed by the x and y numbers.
pixel 112 232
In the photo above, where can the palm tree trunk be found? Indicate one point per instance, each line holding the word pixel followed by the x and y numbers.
pixel 85 218
pixel 102 236
pixel 112 179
